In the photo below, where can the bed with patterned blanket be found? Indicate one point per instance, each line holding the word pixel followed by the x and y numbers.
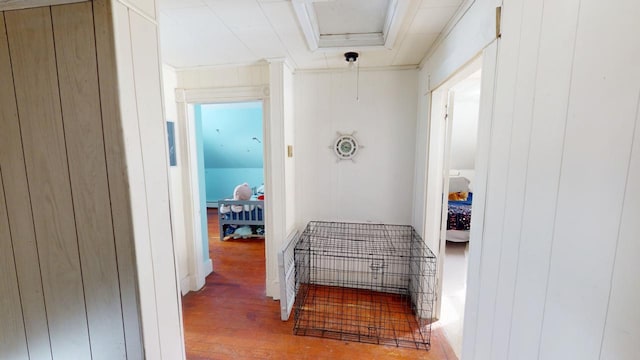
pixel 459 219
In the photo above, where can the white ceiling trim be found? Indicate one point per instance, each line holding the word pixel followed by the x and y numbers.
pixel 457 16
pixel 395 15
pixel 262 62
pixel 362 69
pixel 309 23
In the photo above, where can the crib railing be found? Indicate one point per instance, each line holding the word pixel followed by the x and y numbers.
pixel 251 213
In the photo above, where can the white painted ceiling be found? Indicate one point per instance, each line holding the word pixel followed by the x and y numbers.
pixel 196 33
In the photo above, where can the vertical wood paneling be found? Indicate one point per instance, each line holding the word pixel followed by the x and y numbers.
pixel 146 66
pixel 19 211
pixel 36 84
pixel 136 179
pixel 289 164
pixel 116 156
pixel 516 176
pixel 622 329
pixel 275 181
pixel 13 339
pixel 148 7
pixel 80 101
pixel 479 197
pixel 25 4
pixel 555 56
pixel 600 124
pixel 497 177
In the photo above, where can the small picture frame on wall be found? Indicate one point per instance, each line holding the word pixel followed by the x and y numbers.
pixel 171 134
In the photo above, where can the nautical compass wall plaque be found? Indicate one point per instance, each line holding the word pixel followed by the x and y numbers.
pixel 346 146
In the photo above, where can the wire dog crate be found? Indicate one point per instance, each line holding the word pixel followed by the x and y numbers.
pixel 369 283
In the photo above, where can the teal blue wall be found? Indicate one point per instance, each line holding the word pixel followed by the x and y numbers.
pixel 233 147
pixel 201 182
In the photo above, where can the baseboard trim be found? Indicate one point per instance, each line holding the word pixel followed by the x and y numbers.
pixel 189 283
pixel 208 267
pixel 185 285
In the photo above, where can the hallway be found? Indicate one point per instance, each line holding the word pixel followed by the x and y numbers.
pixel 232 318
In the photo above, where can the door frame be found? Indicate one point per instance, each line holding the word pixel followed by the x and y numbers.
pixel 186 99
pixel 489 56
pixel 439 145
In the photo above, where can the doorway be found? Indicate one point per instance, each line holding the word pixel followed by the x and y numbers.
pixel 452 153
pixel 464 97
pixel 229 138
pixel 226 146
pixel 189 103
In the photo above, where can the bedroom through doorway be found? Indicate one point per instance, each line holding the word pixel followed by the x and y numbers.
pixel 461 171
pixel 229 137
pixel 453 143
pixel 227 150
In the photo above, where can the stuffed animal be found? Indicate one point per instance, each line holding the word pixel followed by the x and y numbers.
pixel 242 232
pixel 458 196
pixel 242 192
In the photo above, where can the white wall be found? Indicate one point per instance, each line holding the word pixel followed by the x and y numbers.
pixel 289 139
pixel 279 169
pixel 376 187
pixel 464 135
pixel 170 83
pixel 214 83
pixel 464 127
pixel 471 30
pixel 142 111
pixel 271 82
pixel 557 251
pixel 224 77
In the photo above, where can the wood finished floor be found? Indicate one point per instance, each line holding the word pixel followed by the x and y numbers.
pixel 231 317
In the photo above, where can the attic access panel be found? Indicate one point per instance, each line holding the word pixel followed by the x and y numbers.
pixel 351 16
pixel 331 24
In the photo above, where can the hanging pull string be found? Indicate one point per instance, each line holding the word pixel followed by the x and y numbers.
pixel 357 82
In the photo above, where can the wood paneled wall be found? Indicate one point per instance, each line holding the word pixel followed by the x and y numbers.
pixel 558 273
pixel 553 262
pixel 66 258
pixel 139 93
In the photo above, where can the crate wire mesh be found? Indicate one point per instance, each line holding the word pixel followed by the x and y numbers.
pixel 369 283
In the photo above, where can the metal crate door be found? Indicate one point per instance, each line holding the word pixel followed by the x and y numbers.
pixel 287 276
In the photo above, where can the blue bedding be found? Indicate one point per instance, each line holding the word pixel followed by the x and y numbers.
pixel 459 214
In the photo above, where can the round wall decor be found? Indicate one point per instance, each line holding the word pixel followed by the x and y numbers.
pixel 346 146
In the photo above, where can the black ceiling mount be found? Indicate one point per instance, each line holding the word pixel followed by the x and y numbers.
pixel 351 56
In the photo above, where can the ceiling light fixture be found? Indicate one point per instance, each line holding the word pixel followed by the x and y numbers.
pixel 351 57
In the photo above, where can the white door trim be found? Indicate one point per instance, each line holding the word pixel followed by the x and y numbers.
pixel 438 167
pixel 186 99
pixel 434 193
